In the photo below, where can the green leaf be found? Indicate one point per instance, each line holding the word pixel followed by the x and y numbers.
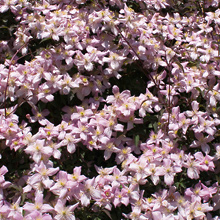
pixel 45 39
pixel 136 140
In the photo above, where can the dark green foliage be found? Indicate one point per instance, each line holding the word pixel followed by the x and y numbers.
pixel 8 25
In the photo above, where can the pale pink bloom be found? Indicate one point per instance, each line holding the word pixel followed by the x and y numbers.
pixel 4 209
pixel 214 95
pixel 114 60
pixel 102 134
pixel 138 179
pixel 209 54
pixel 118 97
pixel 206 162
pixel 178 157
pixel 120 196
pixel 63 127
pixel 183 122
pixel 104 174
pixel 84 61
pixel 70 140
pixel 133 192
pixel 207 192
pixel 193 166
pixel 38 205
pixel 169 93
pixel 169 54
pixel 52 31
pixel 155 138
pixel 54 146
pixel 7 5
pixel 82 114
pixel 195 113
pixel 62 185
pixel 89 192
pixel 76 177
pixel 82 130
pixel 15 210
pixel 64 212
pixel 205 125
pixel 196 209
pixel 49 131
pixel 45 93
pixel 202 141
pixel 46 7
pixel 41 179
pixel 217 154
pixel 146 107
pixel 126 109
pixel 109 148
pixel 194 193
pixel 152 170
pixel 3 184
pixel 38 149
pixel 67 84
pixel 36 215
pixel 123 154
pixel 106 196
pixel 118 178
pixel 135 214
pixel 139 167
pixel 53 80
pixel 213 16
pixel 168 170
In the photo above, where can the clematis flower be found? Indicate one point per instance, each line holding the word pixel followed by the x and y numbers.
pixel 193 166
pixel 114 60
pixel 36 215
pixel 202 141
pixel 38 206
pixel 121 196
pixel 15 212
pixel 62 185
pixel 89 192
pixel 168 170
pixel 38 149
pixel 64 212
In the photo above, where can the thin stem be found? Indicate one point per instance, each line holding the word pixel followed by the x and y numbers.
pixel 143 70
pixel 9 71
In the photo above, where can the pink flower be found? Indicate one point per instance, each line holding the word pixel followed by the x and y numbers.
pixel 89 192
pixel 206 162
pixel 76 177
pixel 82 114
pixel 114 60
pixel 41 179
pixel 38 149
pixel 38 206
pixel 62 185
pixel 36 215
pixel 15 210
pixel 85 61
pixel 207 192
pixel 64 212
pixel 197 210
pixel 202 141
pixel 195 114
pixel 121 196
pixel 70 140
pixel 168 170
pixel 193 166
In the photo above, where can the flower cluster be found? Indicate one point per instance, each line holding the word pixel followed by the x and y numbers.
pixel 109 106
